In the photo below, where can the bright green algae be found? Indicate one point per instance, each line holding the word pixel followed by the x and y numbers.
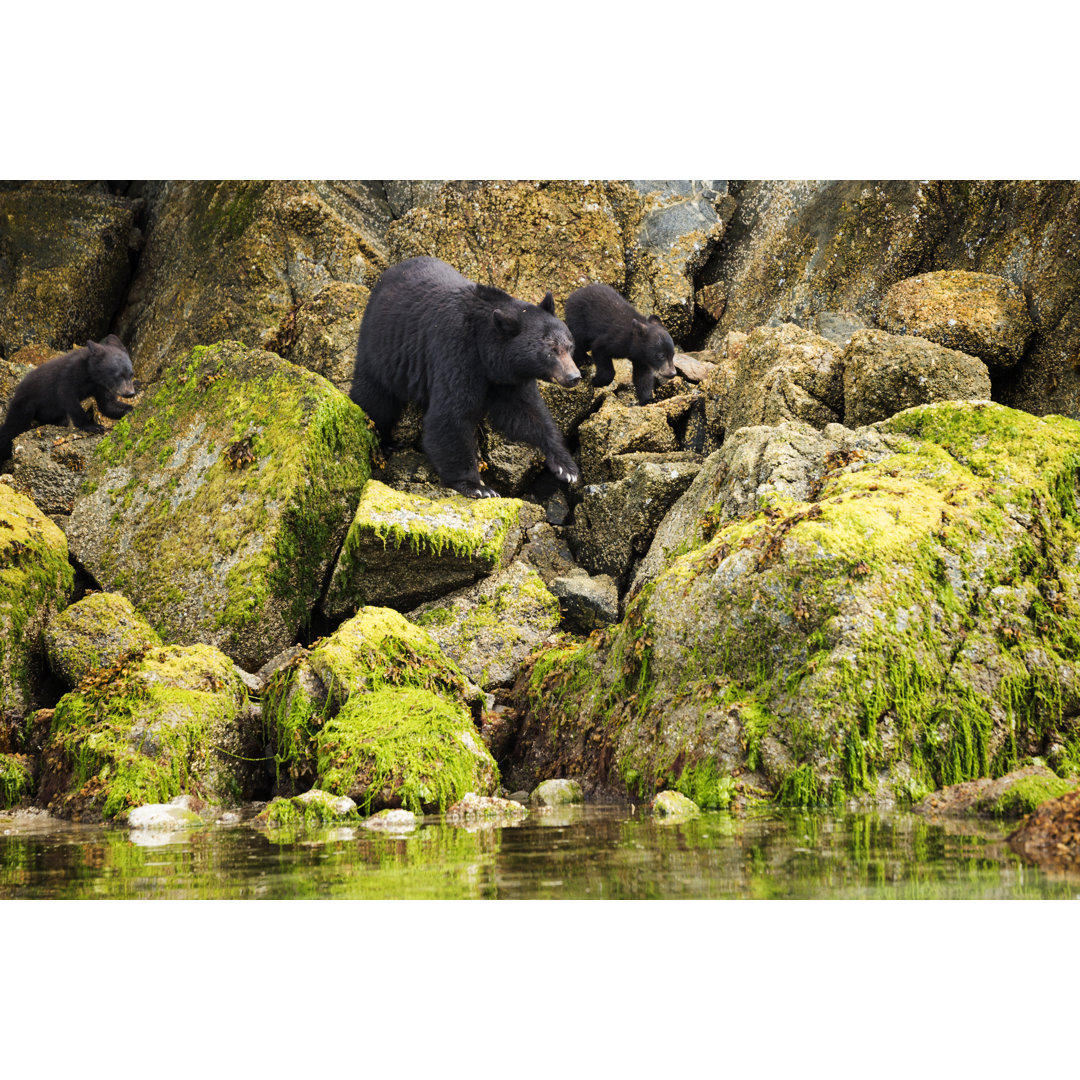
pixel 916 625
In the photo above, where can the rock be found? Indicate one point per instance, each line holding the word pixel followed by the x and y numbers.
pixel 238 259
pixel 673 806
pixel 783 373
pixel 172 723
pixel 980 314
pixel 892 631
pixel 1010 796
pixel 218 505
pixel 169 816
pixel 402 550
pixel 320 334
pixel 1051 835
pixel 65 259
pixel 546 551
pixel 489 628
pixel 615 521
pixel 313 807
pixel 526 237
pixel 838 326
pixel 885 374
pixel 97 632
pixel 49 465
pixel 587 602
pixel 692 368
pixel 679 229
pixel 378 713
pixel 36 581
pixel 620 429
pixel 557 793
pixel 16 779
pixel 391 821
pixel 475 809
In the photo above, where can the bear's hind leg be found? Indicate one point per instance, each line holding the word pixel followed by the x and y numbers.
pixel 450 444
pixel 381 407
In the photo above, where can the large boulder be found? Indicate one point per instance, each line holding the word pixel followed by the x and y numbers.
pixel 886 373
pixel 175 722
pixel 36 581
pixel 48 464
pixel 378 713
pixel 911 621
pixel 240 259
pixel 980 314
pixel 218 505
pixel 402 550
pixel 65 260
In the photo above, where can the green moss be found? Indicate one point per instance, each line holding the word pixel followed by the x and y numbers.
pixel 312 810
pixel 706 786
pixel 1029 793
pixel 402 745
pixel 16 779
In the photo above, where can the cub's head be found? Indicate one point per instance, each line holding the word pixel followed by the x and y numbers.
pixel 651 344
pixel 110 366
pixel 537 344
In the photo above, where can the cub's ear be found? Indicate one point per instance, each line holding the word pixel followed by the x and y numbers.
pixel 548 304
pixel 507 323
pixel 655 319
pixel 637 327
pixel 114 341
pixel 93 347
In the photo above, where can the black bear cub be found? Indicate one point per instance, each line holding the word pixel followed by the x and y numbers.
pixel 54 392
pixel 463 351
pixel 606 325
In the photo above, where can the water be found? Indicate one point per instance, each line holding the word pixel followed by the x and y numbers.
pixel 595 852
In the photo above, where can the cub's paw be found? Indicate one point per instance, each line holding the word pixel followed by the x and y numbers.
pixel 476 491
pixel 567 472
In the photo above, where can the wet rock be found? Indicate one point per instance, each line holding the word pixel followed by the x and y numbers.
pixel 524 237
pixel 979 314
pixel 620 429
pixel 557 793
pixel 545 549
pixel 218 505
pixel 885 373
pixel 65 259
pixel 476 809
pixel 402 550
pixel 769 638
pixel 1051 835
pixel 673 806
pixel 391 821
pixel 48 465
pixel 838 326
pixel 587 602
pixel 175 722
pixel 784 373
pixel 36 581
pixel 1010 796
pixel 489 628
pixel 169 816
pixel 97 632
pixel 313 807
pixel 237 259
pixel 616 521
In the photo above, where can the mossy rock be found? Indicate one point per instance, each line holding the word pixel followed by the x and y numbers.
pixel 980 314
pixel 673 806
pixel 557 792
pixel 402 550
pixel 217 506
pixel 174 722
pixel 36 581
pixel 404 747
pixel 96 632
pixel 16 779
pixel 488 629
pixel 912 621
pixel 312 808
pixel 376 649
pixel 1010 796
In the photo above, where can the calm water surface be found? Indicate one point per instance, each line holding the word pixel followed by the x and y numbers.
pixel 596 852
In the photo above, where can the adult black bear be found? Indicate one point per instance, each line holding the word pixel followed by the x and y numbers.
pixel 606 325
pixel 463 351
pixel 54 392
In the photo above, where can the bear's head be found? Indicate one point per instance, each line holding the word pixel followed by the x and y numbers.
pixel 536 344
pixel 110 366
pixel 651 344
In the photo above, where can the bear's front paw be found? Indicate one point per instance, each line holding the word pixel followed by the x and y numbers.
pixel 476 491
pixel 567 473
pixel 92 429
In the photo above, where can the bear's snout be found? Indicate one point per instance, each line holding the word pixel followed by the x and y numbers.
pixel 127 389
pixel 566 371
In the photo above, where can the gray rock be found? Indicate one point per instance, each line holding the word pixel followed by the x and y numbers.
pixel 557 793
pixel 837 326
pixel 587 603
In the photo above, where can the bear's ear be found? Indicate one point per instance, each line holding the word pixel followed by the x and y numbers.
pixel 655 319
pixel 637 327
pixel 548 304
pixel 92 347
pixel 507 323
pixel 114 341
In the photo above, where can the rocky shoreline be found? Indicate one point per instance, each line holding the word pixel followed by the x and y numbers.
pixel 835 562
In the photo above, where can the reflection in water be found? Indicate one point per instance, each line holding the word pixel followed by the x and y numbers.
pixel 591 853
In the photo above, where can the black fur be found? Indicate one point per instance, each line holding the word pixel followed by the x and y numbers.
pixel 606 325
pixel 463 351
pixel 54 392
